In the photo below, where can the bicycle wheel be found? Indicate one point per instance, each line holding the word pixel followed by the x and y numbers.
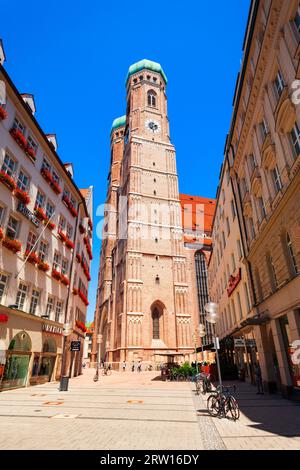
pixel 108 372
pixel 198 387
pixel 213 405
pixel 232 408
pixel 103 372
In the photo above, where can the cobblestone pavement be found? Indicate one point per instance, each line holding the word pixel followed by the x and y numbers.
pixel 137 411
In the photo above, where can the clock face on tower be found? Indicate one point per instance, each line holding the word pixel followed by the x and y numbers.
pixel 152 126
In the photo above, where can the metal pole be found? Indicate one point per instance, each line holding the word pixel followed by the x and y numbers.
pixel 218 362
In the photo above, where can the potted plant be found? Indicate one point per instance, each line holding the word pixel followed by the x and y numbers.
pixel 55 186
pixel 81 229
pixel 62 235
pixel 50 225
pixel 56 275
pixel 40 213
pixel 30 152
pixel 3 113
pixel 32 257
pixel 19 138
pixel 7 180
pixel 43 266
pixel 64 280
pixel 12 245
pixel 69 244
pixel 22 196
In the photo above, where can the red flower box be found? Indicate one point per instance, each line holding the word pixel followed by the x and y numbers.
pixel 7 180
pixel 90 224
pixel 83 297
pixel 22 196
pixel 3 318
pixel 40 213
pixel 19 138
pixel 62 236
pixel 78 258
pixel 81 229
pixel 56 188
pixel 51 225
pixel 1 233
pixel 88 249
pixel 3 114
pixel 30 152
pixel 56 275
pixel 69 205
pixel 46 174
pixel 32 258
pixel 43 266
pixel 64 280
pixel 70 244
pixel 12 245
pixel 75 291
pixel 81 326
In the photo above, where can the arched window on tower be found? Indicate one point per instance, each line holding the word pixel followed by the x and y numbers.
pixel 151 97
pixel 155 320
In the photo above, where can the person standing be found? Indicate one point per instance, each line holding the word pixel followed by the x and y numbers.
pixel 258 378
pixel 132 367
pixel 139 367
pixel 124 366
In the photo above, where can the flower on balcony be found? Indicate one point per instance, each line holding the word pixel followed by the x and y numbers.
pixel 62 236
pixel 81 326
pixel 30 152
pixel 81 229
pixel 22 196
pixel 90 224
pixel 43 266
pixel 55 186
pixel 56 275
pixel 83 297
pixel 31 257
pixel 69 205
pixel 78 258
pixel 64 280
pixel 40 213
pixel 70 244
pixel 19 138
pixel 50 225
pixel 46 174
pixel 86 272
pixel 1 234
pixel 7 180
pixel 12 245
pixel 3 114
pixel 85 240
pixel 75 291
pixel 89 251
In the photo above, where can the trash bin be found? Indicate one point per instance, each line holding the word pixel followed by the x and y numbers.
pixel 64 382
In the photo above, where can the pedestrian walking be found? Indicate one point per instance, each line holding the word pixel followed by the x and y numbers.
pixel 124 366
pixel 132 367
pixel 258 378
pixel 139 367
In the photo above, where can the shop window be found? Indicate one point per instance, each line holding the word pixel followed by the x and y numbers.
pixel 35 298
pixel 23 181
pixel 9 165
pixel 3 286
pixel 21 296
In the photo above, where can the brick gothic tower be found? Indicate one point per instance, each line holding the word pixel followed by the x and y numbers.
pixel 144 310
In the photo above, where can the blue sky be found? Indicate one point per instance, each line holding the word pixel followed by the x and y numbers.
pixel 74 56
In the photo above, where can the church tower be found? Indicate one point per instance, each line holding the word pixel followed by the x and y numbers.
pixel 149 312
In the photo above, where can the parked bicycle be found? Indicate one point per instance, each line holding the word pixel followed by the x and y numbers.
pixel 203 383
pixel 221 403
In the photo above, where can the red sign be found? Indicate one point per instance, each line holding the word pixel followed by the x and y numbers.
pixel 3 318
pixel 233 282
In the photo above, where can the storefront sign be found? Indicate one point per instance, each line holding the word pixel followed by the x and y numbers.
pixel 56 330
pixel 3 318
pixel 28 214
pixel 239 343
pixel 251 343
pixel 233 282
pixel 75 345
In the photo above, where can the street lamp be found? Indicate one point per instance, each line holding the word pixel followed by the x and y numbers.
pixel 212 316
pixel 99 341
pixel 202 334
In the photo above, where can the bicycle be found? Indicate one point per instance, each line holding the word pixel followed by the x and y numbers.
pixel 203 383
pixel 221 403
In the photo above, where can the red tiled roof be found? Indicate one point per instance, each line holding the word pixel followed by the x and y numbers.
pixel 197 218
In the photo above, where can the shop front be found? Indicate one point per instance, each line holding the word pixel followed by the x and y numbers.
pixel 15 370
pixel 44 363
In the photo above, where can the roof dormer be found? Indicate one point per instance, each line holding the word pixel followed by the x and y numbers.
pixel 2 53
pixel 69 168
pixel 29 100
pixel 52 139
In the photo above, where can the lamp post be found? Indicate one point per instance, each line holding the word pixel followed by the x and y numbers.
pixel 99 341
pixel 212 316
pixel 195 343
pixel 202 334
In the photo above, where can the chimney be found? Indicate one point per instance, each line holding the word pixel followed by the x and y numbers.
pixel 69 168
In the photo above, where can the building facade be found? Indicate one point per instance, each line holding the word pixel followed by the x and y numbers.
pixel 144 309
pixel 263 153
pixel 45 248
